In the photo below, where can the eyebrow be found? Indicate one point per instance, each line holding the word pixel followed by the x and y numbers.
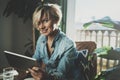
pixel 42 20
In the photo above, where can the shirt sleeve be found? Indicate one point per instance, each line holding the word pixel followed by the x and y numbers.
pixel 37 55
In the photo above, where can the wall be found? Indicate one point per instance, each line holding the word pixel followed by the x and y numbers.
pixel 14 34
pixel 70 23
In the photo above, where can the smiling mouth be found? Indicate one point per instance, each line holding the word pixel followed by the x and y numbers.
pixel 44 30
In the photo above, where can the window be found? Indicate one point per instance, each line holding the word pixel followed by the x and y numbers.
pixel 81 11
pixel 86 10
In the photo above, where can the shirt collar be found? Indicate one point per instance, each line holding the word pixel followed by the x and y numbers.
pixel 44 39
pixel 56 38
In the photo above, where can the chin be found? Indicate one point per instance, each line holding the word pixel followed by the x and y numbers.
pixel 46 34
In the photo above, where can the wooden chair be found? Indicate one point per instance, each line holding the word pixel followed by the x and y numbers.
pixel 92 58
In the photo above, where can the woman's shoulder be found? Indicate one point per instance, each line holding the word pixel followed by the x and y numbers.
pixel 66 39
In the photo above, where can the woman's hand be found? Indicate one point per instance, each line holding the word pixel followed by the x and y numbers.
pixel 37 73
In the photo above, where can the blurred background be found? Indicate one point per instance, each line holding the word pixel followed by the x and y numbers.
pixel 16 34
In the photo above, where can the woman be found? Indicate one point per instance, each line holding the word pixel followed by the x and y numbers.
pixel 53 47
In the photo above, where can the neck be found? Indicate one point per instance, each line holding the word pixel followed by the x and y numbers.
pixel 52 36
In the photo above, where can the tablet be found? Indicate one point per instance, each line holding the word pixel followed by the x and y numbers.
pixel 19 61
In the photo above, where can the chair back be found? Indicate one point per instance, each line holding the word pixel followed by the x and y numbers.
pixel 92 58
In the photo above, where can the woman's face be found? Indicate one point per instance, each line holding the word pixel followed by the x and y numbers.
pixel 45 26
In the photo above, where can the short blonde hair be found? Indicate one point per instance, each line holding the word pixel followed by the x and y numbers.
pixel 51 10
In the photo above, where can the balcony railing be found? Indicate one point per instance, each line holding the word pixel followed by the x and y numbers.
pixel 102 38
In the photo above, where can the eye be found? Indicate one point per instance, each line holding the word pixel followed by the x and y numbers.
pixel 38 23
pixel 45 20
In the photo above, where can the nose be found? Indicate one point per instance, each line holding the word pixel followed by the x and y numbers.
pixel 41 26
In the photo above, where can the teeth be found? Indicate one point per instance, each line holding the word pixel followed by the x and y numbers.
pixel 43 31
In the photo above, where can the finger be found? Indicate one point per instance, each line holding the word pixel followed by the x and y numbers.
pixel 36 75
pixel 35 68
pixel 32 71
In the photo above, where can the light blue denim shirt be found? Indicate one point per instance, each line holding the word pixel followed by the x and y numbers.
pixel 61 63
